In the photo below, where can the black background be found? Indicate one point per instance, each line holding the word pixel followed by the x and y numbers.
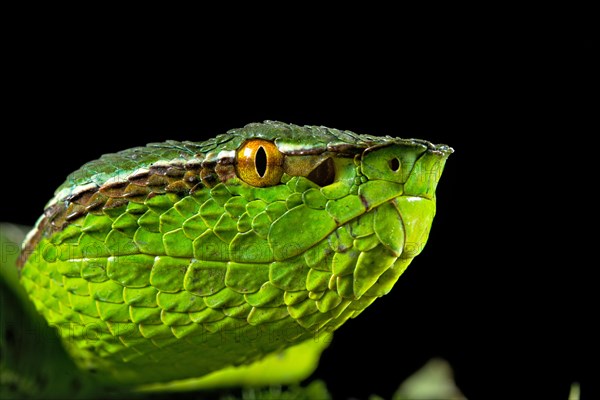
pixel 504 289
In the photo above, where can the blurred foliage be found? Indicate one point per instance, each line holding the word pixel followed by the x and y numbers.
pixel 316 390
pixel 575 392
pixel 432 382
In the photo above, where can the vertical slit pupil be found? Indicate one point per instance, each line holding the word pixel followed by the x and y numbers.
pixel 394 164
pixel 260 160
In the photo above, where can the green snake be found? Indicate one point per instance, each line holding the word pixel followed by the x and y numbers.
pixel 181 260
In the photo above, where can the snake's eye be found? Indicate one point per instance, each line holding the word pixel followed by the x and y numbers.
pixel 259 163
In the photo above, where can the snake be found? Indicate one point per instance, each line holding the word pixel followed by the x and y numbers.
pixel 191 260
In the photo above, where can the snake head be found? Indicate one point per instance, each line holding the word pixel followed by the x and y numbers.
pixel 271 232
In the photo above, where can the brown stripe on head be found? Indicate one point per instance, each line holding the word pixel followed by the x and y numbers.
pixel 180 178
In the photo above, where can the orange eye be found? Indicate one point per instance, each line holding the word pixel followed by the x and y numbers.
pixel 259 163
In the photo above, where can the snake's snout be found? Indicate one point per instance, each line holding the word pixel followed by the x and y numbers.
pixel 416 166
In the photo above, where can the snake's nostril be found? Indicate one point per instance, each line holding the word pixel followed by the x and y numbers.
pixel 394 164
